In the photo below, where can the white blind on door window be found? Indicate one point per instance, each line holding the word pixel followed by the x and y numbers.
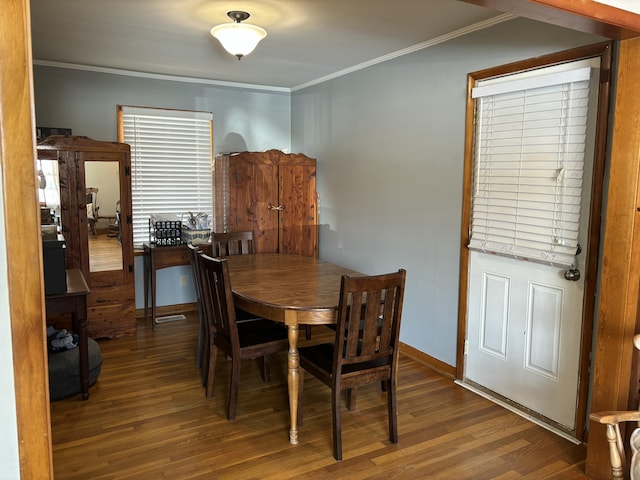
pixel 171 156
pixel 530 147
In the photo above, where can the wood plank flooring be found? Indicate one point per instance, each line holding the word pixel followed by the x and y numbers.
pixel 148 418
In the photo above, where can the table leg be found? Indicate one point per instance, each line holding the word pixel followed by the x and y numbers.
pixel 79 321
pixel 153 294
pixel 146 262
pixel 293 379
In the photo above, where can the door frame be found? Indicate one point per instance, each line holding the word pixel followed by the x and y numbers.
pixel 602 50
pixel 23 244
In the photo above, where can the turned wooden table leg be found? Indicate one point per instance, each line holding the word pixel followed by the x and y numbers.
pixel 293 379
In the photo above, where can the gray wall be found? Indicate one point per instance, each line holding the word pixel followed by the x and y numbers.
pixel 86 102
pixel 389 140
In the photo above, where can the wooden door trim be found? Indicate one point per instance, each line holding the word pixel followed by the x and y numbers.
pixel 588 16
pixel 23 243
pixel 602 50
pixel 618 308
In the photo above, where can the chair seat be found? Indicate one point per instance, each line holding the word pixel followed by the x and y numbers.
pixel 320 358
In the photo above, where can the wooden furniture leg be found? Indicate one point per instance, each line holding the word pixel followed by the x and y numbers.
pixel 293 375
pixel 147 270
pixel 79 322
pixel 615 447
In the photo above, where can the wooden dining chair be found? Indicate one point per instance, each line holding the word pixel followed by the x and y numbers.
pixel 365 349
pixel 203 346
pixel 233 243
pixel 258 338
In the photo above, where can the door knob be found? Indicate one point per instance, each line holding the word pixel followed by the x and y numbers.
pixel 572 275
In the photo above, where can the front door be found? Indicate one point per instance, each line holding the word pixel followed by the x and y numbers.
pixel 525 299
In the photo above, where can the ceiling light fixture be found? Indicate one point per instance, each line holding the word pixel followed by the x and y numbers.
pixel 237 38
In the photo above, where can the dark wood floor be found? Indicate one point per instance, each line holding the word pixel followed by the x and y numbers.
pixel 148 418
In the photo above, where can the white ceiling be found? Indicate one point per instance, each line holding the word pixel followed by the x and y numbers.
pixel 307 40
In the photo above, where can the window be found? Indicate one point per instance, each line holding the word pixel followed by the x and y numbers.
pixel 171 157
pixel 528 177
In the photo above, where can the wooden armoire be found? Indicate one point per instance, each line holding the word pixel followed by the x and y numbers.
pixel 111 303
pixel 271 193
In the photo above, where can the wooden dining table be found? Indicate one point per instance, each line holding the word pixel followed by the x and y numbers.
pixel 290 289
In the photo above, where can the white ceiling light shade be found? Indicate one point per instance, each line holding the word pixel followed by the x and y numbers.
pixel 237 38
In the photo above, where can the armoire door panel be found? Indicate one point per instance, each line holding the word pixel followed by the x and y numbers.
pixel 254 188
pixel 298 216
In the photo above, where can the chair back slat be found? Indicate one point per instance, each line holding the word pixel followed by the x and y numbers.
pixel 233 243
pixel 218 297
pixel 371 326
pixel 352 326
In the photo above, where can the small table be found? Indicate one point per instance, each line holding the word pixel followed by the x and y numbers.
pixel 74 301
pixel 156 258
pixel 290 289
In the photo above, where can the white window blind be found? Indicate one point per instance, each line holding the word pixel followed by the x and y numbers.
pixel 530 146
pixel 171 157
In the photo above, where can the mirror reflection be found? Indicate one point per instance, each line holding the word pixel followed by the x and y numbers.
pixel 102 182
pixel 49 192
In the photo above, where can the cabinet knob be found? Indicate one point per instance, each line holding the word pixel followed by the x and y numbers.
pixel 273 207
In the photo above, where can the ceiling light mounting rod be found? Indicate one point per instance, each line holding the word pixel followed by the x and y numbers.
pixel 238 16
pixel 237 38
